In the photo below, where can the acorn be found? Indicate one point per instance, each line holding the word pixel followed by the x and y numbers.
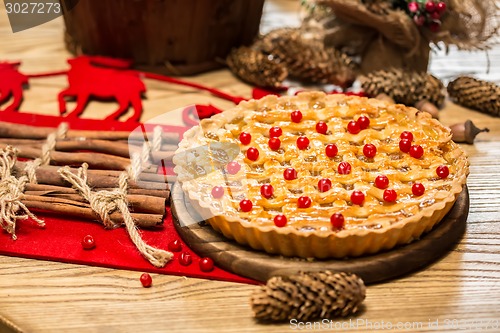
pixel 466 132
pixel 386 98
pixel 426 106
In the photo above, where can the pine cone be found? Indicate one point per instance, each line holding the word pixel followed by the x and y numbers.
pixel 308 296
pixel 404 87
pixel 254 67
pixel 476 94
pixel 307 59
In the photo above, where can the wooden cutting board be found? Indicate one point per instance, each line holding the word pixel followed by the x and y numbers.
pixel 260 266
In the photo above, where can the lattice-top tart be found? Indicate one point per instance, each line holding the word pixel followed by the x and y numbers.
pixel 321 176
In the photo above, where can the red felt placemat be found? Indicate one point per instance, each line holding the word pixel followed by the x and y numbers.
pixel 60 240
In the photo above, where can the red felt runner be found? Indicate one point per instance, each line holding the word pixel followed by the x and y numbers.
pixel 61 239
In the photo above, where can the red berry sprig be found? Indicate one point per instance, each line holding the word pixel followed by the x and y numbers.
pixel 427 13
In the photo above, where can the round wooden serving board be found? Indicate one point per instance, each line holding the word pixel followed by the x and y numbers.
pixel 261 266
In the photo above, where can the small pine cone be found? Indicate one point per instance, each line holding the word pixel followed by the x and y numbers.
pixel 255 67
pixel 307 296
pixel 306 59
pixel 404 87
pixel 476 94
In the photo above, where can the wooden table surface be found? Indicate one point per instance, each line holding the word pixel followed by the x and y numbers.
pixel 459 291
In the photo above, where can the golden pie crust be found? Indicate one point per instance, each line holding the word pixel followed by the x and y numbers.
pixel 374 226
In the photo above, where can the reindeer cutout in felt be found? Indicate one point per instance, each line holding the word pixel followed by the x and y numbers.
pixel 11 85
pixel 103 79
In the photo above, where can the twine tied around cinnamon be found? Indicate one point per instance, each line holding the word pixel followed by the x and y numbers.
pixel 11 191
pixel 140 160
pixel 105 202
pixel 47 148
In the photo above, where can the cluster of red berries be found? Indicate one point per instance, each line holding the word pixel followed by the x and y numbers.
pixel 427 13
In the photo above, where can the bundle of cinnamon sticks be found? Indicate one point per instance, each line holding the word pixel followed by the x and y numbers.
pixel 108 155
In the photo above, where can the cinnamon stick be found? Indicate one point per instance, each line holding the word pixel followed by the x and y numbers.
pixel 137 203
pixel 48 174
pixel 100 146
pixel 10 130
pixel 41 188
pixel 142 220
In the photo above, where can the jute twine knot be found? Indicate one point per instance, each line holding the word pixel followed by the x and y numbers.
pixel 106 202
pixel 139 161
pixel 47 148
pixel 11 191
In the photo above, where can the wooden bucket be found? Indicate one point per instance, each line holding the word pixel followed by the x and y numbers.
pixel 173 37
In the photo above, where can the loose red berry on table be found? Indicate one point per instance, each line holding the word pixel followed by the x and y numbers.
pixel 369 150
pixel 382 182
pixel 405 145
pixel 321 127
pixel 245 138
pixel 302 142
pixel 418 189
pixel 357 197
pixel 337 220
pixel 441 7
pixel 331 150
pixel 146 280
pixel 363 122
pixel 252 154
pixel 217 192
pixel 442 171
pixel 274 143
pixel 233 167
pixel 175 246
pixel 267 191
pixel 280 221
pixel 324 185
pixel 304 202
pixel 416 151
pixel 290 174
pixel 344 168
pixel 275 131
pixel 88 242
pixel 185 259
pixel 430 6
pixel 246 205
pixel 296 116
pixel 353 127
pixel 206 264
pixel 390 195
pixel 406 135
